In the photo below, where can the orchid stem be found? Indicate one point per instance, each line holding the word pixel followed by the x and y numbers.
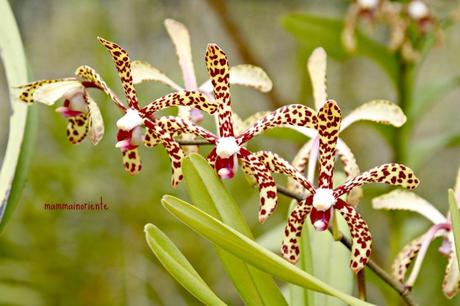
pixel 361 277
pixel 193 142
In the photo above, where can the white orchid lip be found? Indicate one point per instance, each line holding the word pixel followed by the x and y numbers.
pixel 323 199
pixel 226 147
pixel 418 10
pixel 368 4
pixel 137 136
pixel 77 101
pixel 130 120
pixel 319 225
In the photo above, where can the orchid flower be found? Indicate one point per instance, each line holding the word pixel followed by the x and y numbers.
pixel 229 144
pixel 79 108
pixel 135 119
pixel 417 248
pixel 419 17
pixel 323 200
pixel 247 75
pixel 380 111
pixel 373 11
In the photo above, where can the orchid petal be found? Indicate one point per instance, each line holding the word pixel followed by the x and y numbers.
pixel 351 167
pixel 328 126
pixel 166 128
pixel 47 91
pixel 301 158
pixel 123 65
pixel 193 99
pixel 77 128
pixel 404 258
pixel 144 72
pixel 451 281
pixel 393 174
pixel 176 125
pixel 88 74
pixel 406 200
pixel 175 152
pixel 349 31
pixel 181 39
pixel 276 164
pixel 380 111
pixel 251 76
pixel 294 114
pixel 132 161
pixel 245 75
pixel 217 64
pixel 351 170
pixel 299 163
pixel 96 123
pixel 265 182
pixel 317 64
pixel 361 237
pixel 151 139
pixel 290 248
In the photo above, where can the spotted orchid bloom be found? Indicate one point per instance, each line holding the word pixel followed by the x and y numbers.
pixel 229 144
pixel 380 111
pixel 371 12
pixel 247 75
pixel 139 125
pixel 79 108
pixel 418 16
pixel 417 248
pixel 322 201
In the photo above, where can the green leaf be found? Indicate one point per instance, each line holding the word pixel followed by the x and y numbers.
pixel 423 150
pixel 330 262
pixel 178 266
pixel 21 133
pixel 427 96
pixel 315 31
pixel 455 217
pixel 246 249
pixel 209 194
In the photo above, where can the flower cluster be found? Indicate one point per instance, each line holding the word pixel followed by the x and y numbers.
pixel 140 125
pixel 407 22
pixel 417 248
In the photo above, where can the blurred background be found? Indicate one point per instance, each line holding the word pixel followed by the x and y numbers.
pixel 101 258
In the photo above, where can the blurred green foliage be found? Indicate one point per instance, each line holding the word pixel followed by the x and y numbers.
pixel 101 258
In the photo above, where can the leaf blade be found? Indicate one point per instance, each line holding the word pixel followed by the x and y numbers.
pixel 15 165
pixel 243 247
pixel 178 266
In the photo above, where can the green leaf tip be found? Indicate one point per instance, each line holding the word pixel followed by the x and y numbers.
pixel 178 266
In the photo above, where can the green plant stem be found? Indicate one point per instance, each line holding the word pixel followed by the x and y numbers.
pixel 401 143
pixel 362 292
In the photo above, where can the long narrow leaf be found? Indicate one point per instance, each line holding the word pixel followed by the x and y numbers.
pixel 178 266
pixel 20 137
pixel 246 249
pixel 455 217
pixel 209 194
